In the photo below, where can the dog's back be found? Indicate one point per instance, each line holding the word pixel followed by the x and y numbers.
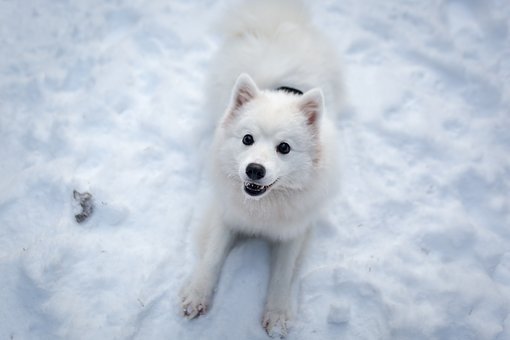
pixel 276 44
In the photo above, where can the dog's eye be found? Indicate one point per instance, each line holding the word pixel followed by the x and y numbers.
pixel 248 140
pixel 283 148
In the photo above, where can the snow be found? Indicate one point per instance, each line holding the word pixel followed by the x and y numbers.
pixel 339 313
pixel 105 97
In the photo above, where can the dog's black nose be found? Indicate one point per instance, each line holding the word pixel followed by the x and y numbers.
pixel 255 171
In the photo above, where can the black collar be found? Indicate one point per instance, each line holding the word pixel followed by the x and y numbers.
pixel 290 90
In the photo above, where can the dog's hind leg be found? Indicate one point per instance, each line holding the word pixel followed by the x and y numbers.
pixel 285 256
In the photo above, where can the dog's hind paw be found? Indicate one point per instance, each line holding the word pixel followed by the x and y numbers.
pixel 275 324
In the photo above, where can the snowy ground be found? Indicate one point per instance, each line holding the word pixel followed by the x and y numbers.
pixel 104 96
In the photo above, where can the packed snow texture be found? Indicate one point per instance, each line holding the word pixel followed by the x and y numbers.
pixel 106 97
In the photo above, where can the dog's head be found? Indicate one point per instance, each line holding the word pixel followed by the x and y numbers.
pixel 270 139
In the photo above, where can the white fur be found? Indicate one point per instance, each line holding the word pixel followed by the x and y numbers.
pixel 267 44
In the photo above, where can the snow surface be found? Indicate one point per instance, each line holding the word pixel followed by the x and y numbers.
pixel 105 97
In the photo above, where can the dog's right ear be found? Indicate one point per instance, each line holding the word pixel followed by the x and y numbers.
pixel 244 90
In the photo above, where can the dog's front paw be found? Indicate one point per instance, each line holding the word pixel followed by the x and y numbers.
pixel 275 323
pixel 195 302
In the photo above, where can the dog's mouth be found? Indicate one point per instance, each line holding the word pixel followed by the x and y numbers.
pixel 254 189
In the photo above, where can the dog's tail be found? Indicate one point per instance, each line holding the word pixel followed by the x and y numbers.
pixel 262 17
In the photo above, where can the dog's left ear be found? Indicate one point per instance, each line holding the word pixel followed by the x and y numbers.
pixel 312 105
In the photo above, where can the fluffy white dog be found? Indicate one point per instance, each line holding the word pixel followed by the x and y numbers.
pixel 273 158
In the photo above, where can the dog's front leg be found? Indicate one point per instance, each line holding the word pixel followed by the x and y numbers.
pixel 278 303
pixel 197 294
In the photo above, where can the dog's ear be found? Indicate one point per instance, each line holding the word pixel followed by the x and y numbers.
pixel 312 105
pixel 244 90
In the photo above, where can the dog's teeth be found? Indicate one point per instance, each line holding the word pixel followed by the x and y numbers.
pixel 253 186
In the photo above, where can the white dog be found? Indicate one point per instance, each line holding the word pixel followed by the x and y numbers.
pixel 273 158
